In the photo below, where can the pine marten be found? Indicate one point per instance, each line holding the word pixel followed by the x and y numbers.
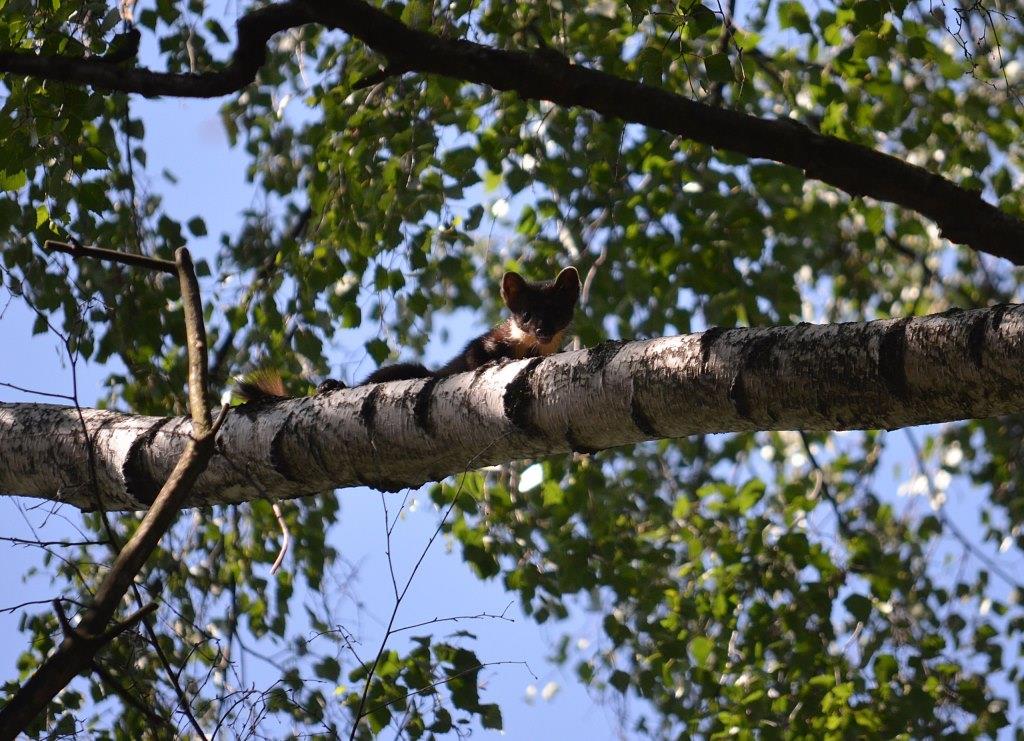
pixel 541 314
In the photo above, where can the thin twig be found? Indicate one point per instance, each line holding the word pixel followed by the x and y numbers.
pixel 360 710
pixel 286 537
pixel 121 691
pixel 51 543
pixel 457 618
pixel 48 394
pixel 15 608
pixel 822 487
pixel 125 258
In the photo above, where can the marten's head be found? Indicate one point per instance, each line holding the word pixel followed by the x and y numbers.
pixel 542 311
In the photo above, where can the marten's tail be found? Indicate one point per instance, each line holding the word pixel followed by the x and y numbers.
pixel 399 372
pixel 264 384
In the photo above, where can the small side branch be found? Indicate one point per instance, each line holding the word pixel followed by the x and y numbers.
pixel 286 538
pixel 77 651
pixel 79 251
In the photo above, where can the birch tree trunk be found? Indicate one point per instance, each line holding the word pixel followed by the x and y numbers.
pixel 885 374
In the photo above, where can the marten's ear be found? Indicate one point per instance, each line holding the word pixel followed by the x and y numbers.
pixel 512 288
pixel 568 284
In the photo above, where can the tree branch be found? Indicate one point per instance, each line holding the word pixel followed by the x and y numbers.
pixel 961 214
pixel 885 374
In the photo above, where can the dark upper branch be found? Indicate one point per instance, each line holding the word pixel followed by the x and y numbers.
pixel 254 29
pixel 961 214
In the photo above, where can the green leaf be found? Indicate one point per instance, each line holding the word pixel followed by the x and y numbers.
pixel 490 716
pixel 442 721
pixel 868 12
pixel 859 606
pixel 750 495
pixel 94 158
pixel 328 668
pixel 700 649
pixel 885 668
pixel 651 63
pixel 701 20
pixel 351 316
pixel 417 13
pixel 378 350
pixel 719 68
pixel 791 14
pixel 746 40
pixel 15 181
pixel 619 680
pixel 217 31
pixel 492 180
pixel 917 47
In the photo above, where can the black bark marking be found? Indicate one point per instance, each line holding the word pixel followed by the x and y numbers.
pixel 483 369
pixel 576 445
pixel 997 315
pixel 280 460
pixel 759 351
pixel 892 351
pixel 519 398
pixel 421 408
pixel 756 359
pixel 368 410
pixel 823 408
pixel 380 484
pixel 739 397
pixel 386 485
pixel 708 339
pixel 976 339
pixel 642 419
pixel 599 356
pixel 139 485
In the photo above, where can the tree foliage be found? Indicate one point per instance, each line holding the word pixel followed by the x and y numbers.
pixel 745 584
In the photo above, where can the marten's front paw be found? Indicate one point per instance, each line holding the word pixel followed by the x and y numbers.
pixel 330 384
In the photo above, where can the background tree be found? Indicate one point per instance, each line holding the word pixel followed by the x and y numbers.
pixel 755 581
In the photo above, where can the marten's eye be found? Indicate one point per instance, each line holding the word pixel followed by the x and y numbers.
pixel 527 316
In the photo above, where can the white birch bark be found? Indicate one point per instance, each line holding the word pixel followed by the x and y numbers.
pixel 886 374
